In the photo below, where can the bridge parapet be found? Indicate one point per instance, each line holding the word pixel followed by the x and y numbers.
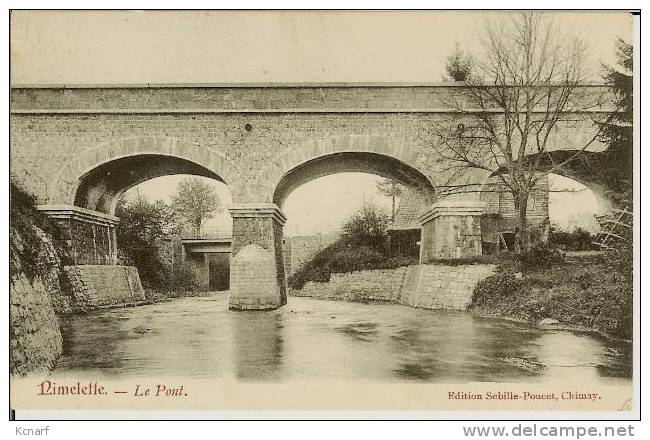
pixel 269 97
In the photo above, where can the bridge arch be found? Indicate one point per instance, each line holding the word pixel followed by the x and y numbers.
pixel 96 178
pixel 379 155
pixel 580 168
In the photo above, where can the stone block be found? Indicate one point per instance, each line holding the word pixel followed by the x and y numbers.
pixel 97 286
pixel 256 281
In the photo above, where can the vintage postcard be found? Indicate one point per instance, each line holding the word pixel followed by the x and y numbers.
pixel 420 214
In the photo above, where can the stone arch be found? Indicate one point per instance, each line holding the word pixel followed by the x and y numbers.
pixel 580 169
pixel 599 190
pixel 387 157
pixel 142 158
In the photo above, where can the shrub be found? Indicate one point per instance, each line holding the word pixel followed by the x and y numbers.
pixel 368 227
pixel 183 278
pixel 342 257
pixel 587 294
pixel 497 288
pixel 540 257
pixel 577 240
pixel 142 225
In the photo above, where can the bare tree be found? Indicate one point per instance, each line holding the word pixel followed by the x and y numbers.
pixel 527 85
pixel 195 201
pixel 392 189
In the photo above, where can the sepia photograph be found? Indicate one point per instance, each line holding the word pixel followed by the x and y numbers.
pixel 430 214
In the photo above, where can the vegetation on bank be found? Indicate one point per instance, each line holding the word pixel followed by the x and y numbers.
pixel 160 295
pixel 577 240
pixel 26 243
pixel 594 292
pixel 145 228
pixel 341 257
pixel 143 224
pixel 362 246
pixel 147 231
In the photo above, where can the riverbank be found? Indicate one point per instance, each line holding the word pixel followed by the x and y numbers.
pixel 578 329
pixel 583 294
pixel 424 286
pixel 155 296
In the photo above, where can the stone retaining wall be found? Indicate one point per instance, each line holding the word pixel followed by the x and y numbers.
pixel 379 285
pixel 299 250
pixel 34 336
pixel 96 286
pixel 431 286
pixel 423 286
pixel 35 339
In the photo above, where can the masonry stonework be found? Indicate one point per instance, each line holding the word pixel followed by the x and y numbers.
pixel 451 230
pixel 98 286
pixel 254 280
pixel 427 286
pixel 208 126
pixel 90 235
pixel 35 340
pixel 364 285
pixel 82 147
pixel 441 286
pixel 257 251
pixel 304 247
pixel 500 216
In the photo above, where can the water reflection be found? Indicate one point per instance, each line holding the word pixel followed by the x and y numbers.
pixel 258 347
pixel 93 342
pixel 200 337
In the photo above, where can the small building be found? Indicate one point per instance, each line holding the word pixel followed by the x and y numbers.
pixel 404 232
pixel 498 223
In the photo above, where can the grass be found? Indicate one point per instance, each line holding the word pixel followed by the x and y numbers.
pixel 587 292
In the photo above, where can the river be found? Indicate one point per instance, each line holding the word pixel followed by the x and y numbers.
pixel 199 337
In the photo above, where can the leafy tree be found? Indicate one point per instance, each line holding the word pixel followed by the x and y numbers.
pixel 196 201
pixel 367 227
pixel 616 165
pixel 392 189
pixel 142 225
pixel 459 64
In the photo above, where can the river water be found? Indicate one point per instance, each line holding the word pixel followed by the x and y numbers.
pixel 309 339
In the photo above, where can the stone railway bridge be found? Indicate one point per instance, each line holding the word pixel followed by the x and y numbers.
pixel 78 148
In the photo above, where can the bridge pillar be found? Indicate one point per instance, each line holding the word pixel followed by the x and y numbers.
pixel 90 235
pixel 257 274
pixel 451 229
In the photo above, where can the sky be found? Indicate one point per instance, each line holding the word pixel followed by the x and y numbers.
pixel 126 47
pixel 218 46
pixel 571 204
pixel 306 214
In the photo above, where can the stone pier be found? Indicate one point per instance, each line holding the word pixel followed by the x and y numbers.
pixel 93 278
pixel 451 229
pixel 89 235
pixel 257 274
